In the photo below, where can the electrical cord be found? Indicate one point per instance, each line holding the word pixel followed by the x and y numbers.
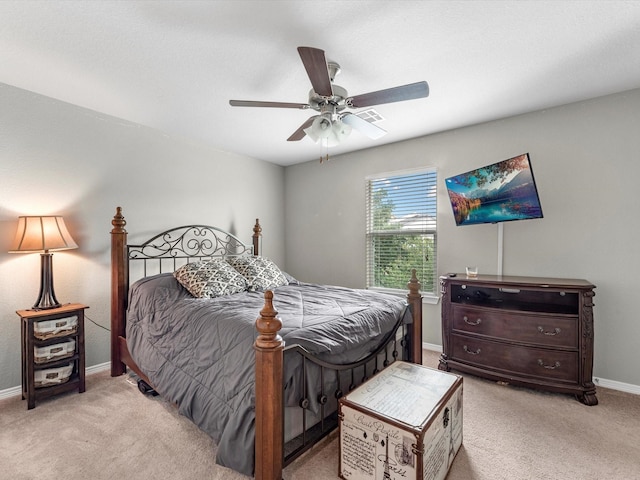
pixel 96 324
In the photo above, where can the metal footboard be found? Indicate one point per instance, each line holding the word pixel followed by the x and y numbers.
pixel 323 383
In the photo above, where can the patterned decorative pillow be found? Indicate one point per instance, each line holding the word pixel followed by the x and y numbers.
pixel 209 279
pixel 260 272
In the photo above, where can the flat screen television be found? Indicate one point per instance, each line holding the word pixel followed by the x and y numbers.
pixel 500 192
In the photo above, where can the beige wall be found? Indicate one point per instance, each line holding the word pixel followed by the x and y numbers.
pixel 585 160
pixel 56 158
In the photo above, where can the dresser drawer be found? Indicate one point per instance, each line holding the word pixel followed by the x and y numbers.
pixel 512 359
pixel 534 328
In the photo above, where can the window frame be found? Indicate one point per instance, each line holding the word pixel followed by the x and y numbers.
pixel 428 290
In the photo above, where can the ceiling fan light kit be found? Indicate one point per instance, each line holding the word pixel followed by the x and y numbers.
pixel 320 128
pixel 328 129
pixel 333 124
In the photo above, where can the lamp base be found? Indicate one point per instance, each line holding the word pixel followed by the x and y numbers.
pixel 47 297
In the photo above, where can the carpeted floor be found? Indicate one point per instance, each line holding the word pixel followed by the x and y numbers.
pixel 113 432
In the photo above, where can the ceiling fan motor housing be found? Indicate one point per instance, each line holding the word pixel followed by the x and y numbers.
pixel 335 103
pixel 333 69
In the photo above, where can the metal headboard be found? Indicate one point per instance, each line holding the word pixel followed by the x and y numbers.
pixel 173 248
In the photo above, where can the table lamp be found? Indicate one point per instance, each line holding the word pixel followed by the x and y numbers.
pixel 43 234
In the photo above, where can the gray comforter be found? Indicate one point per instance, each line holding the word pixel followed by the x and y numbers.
pixel 199 353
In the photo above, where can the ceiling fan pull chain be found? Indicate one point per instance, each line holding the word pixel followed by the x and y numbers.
pixel 325 142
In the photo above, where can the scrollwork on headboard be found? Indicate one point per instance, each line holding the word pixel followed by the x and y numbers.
pixel 190 241
pixel 171 249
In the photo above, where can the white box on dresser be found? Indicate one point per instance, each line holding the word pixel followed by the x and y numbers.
pixel 403 423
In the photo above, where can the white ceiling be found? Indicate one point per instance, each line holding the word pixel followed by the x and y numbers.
pixel 173 65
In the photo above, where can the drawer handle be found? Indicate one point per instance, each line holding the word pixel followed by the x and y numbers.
pixel 466 349
pixel 466 320
pixel 548 367
pixel 556 331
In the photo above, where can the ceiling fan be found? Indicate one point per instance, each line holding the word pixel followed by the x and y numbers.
pixel 334 121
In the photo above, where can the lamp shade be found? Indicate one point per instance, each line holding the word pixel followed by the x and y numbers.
pixel 44 233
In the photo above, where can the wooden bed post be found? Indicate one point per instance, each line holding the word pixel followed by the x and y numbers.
pixel 269 347
pixel 257 233
pixel 415 300
pixel 119 282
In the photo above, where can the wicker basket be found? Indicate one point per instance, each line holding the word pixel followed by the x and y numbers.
pixel 52 376
pixel 55 328
pixel 57 351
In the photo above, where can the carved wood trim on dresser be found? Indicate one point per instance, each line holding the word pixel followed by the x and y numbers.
pixel 526 331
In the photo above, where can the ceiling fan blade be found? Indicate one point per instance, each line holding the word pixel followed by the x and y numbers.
pixel 316 65
pixel 251 103
pixel 367 128
pixel 299 133
pixel 390 95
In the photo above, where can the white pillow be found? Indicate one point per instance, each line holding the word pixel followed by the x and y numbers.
pixel 260 272
pixel 209 279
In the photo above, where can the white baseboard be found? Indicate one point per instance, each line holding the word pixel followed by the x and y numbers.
pixel 432 346
pixel 14 391
pixel 98 368
pixel 600 382
pixel 10 392
pixel 613 385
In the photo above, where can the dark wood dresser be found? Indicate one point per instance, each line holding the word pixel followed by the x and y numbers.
pixel 526 331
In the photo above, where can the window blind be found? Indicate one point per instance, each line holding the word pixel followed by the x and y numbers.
pixel 401 229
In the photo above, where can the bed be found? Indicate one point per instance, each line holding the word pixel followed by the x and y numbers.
pixel 263 382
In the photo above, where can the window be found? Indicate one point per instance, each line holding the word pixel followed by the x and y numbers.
pixel 401 229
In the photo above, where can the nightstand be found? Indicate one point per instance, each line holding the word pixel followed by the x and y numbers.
pixel 53 359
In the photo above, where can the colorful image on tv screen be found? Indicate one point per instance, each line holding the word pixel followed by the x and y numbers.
pixel 500 192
